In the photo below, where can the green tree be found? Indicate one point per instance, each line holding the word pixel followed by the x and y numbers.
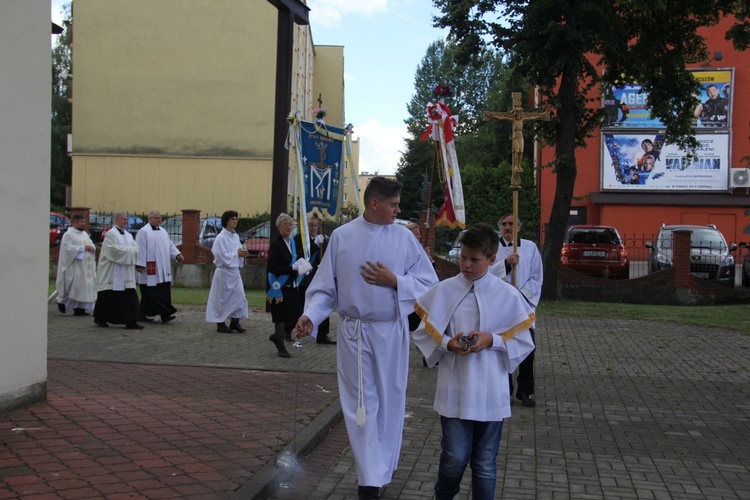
pixel 559 46
pixel 60 163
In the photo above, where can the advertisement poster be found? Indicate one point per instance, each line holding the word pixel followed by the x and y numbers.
pixel 627 106
pixel 644 162
pixel 321 163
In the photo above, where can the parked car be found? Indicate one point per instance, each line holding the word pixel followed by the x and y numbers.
pixel 257 239
pixel 710 256
pixel 97 224
pixel 454 254
pixel 133 225
pixel 58 224
pixel 209 228
pixel 595 250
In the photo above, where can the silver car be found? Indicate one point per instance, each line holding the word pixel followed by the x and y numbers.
pixel 710 256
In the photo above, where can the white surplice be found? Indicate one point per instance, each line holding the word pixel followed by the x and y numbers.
pixel 155 246
pixel 76 271
pixel 475 386
pixel 226 299
pixel 117 262
pixel 373 335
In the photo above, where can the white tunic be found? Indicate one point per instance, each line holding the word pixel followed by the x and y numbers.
pixel 475 386
pixel 76 271
pixel 117 262
pixel 227 296
pixel 373 328
pixel 155 247
pixel 529 272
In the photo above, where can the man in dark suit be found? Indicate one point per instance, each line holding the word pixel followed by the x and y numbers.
pixel 318 245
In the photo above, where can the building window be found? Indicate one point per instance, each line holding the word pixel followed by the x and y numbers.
pixel 346 181
pixel 346 197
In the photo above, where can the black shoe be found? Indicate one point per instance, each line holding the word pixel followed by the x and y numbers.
pixel 61 308
pixel 100 323
pixel 288 337
pixel 526 400
pixel 368 492
pixel 147 319
pixel 326 341
pixel 134 326
pixel 284 353
pixel 79 311
pixel 235 325
pixel 222 328
pixel 167 319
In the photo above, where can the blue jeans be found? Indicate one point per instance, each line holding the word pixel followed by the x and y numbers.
pixel 468 442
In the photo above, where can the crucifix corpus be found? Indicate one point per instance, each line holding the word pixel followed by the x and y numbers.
pixel 517 117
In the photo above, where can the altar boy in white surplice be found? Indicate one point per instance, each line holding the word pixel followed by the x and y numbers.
pixel 477 327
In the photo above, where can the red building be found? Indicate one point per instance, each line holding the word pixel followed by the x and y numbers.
pixel 618 185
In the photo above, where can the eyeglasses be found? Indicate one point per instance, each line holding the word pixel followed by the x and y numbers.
pixel 506 223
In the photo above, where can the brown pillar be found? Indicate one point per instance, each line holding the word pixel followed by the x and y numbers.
pixel 190 227
pixel 681 258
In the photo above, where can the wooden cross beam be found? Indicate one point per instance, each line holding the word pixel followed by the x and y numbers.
pixel 517 116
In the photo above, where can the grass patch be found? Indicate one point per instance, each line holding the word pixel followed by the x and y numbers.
pixel 736 317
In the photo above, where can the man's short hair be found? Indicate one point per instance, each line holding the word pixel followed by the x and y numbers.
pixel 226 216
pixel 481 237
pixel 76 217
pixel 509 215
pixel 381 188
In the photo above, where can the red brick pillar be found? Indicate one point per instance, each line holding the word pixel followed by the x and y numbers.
pixel 190 228
pixel 681 258
pixel 83 211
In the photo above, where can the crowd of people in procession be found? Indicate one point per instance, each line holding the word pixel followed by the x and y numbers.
pixel 476 327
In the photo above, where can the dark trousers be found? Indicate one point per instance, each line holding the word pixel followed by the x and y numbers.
pixel 525 377
pixel 324 328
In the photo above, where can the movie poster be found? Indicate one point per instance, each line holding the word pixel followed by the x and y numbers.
pixel 645 162
pixel 627 106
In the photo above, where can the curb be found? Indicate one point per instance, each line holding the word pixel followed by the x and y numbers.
pixel 262 485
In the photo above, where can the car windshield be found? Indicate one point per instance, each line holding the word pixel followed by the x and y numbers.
pixel 699 238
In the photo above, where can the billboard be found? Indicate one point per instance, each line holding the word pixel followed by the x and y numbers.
pixel 645 162
pixel 627 105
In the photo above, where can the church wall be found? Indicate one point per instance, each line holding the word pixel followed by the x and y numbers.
pixel 140 184
pixel 174 77
pixel 24 199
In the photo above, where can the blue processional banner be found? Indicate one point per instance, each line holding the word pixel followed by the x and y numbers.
pixel 321 148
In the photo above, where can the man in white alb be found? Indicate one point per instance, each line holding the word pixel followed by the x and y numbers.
pixel 372 273
pixel 76 269
pixel 154 265
pixel 529 274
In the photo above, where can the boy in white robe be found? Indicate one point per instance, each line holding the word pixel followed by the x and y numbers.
pixel 477 327
pixel 372 273
pixel 76 269
pixel 226 299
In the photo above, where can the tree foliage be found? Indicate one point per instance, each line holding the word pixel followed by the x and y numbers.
pixel 60 163
pixel 561 46
pixel 483 148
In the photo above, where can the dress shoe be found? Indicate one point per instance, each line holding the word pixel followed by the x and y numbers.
pixel 79 311
pixel 280 349
pixel 288 337
pixel 526 400
pixel 61 308
pixel 326 341
pixel 134 326
pixel 167 319
pixel 147 319
pixel 235 325
pixel 100 323
pixel 222 328
pixel 368 492
pixel 284 354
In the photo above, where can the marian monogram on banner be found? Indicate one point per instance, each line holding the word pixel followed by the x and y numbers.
pixel 321 162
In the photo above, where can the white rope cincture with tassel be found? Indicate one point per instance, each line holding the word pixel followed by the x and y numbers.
pixel 361 411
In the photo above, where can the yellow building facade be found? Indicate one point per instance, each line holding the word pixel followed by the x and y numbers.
pixel 173 103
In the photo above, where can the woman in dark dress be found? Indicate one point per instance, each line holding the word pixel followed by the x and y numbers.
pixel 283 295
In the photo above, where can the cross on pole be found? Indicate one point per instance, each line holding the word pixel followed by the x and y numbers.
pixel 517 117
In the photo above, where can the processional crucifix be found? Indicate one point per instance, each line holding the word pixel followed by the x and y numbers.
pixel 517 116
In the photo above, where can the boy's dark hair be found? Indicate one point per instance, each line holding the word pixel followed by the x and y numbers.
pixel 381 188
pixel 226 216
pixel 481 237
pixel 77 217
